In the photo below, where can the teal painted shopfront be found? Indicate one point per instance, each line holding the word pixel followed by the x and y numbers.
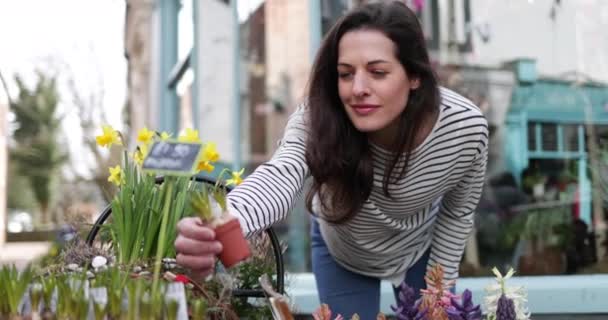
pixel 555 120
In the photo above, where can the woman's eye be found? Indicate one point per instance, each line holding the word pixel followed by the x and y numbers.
pixel 379 73
pixel 344 75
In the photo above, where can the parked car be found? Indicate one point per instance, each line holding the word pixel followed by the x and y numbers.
pixel 19 221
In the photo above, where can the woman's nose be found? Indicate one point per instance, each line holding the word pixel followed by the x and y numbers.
pixel 360 86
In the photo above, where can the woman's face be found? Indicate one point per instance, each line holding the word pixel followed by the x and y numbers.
pixel 372 84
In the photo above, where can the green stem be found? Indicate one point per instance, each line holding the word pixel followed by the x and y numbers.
pixel 219 177
pixel 161 237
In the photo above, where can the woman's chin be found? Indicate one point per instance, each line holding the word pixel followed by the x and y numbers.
pixel 367 127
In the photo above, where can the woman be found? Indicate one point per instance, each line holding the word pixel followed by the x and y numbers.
pixel 397 165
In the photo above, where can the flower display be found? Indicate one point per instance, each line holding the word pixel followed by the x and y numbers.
pixel 437 302
pixel 131 271
pixel 145 238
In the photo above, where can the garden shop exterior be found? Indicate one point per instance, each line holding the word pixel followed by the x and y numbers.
pixel 547 133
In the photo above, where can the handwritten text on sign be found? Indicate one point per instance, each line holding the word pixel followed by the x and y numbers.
pixel 172 157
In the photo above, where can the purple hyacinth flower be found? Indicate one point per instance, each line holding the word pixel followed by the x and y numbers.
pixel 407 307
pixel 465 310
pixel 505 309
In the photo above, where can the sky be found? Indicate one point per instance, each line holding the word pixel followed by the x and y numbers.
pixel 85 34
pixel 82 39
pixel 78 39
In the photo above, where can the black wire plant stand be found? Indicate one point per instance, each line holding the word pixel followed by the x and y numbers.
pixel 240 292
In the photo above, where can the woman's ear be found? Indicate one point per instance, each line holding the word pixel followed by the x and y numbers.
pixel 414 84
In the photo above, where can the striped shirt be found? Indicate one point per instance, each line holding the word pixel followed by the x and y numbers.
pixel 432 206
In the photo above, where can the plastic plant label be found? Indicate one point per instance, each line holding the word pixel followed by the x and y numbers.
pixel 177 292
pixel 25 305
pixel 96 296
pixel 78 284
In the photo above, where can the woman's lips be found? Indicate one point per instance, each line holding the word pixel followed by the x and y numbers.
pixel 364 109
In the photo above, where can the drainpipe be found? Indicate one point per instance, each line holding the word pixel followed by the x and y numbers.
pixel 314 11
pixel 236 88
pixel 168 115
pixel 194 64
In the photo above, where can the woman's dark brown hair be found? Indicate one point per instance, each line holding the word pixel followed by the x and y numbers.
pixel 338 155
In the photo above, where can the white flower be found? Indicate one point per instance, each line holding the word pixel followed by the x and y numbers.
pixel 99 261
pixel 516 293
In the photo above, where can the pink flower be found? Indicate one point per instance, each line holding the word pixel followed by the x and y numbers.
pixel 324 313
pixel 446 296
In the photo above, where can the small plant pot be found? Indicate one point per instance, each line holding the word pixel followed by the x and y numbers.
pixel 236 248
pixel 538 190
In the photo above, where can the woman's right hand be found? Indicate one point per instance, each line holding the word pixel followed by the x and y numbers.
pixel 196 247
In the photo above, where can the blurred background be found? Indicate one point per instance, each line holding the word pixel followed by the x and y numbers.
pixel 235 70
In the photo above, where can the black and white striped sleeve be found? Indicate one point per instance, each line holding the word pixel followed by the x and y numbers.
pixel 269 193
pixel 456 216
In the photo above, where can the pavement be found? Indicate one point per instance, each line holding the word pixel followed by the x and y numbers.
pixel 22 253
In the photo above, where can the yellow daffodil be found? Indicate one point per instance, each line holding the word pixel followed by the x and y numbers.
pixel 116 175
pixel 236 178
pixel 140 154
pixel 191 135
pixel 165 135
pixel 204 166
pixel 138 158
pixel 210 152
pixel 109 137
pixel 145 136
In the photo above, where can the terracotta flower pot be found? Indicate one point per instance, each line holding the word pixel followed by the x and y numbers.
pixel 236 248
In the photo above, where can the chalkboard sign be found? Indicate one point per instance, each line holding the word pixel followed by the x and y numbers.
pixel 172 157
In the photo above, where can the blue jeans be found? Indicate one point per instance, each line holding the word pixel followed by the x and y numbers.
pixel 347 292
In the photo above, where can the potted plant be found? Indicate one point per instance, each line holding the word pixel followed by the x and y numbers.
pixel 535 183
pixel 210 206
pixel 543 234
